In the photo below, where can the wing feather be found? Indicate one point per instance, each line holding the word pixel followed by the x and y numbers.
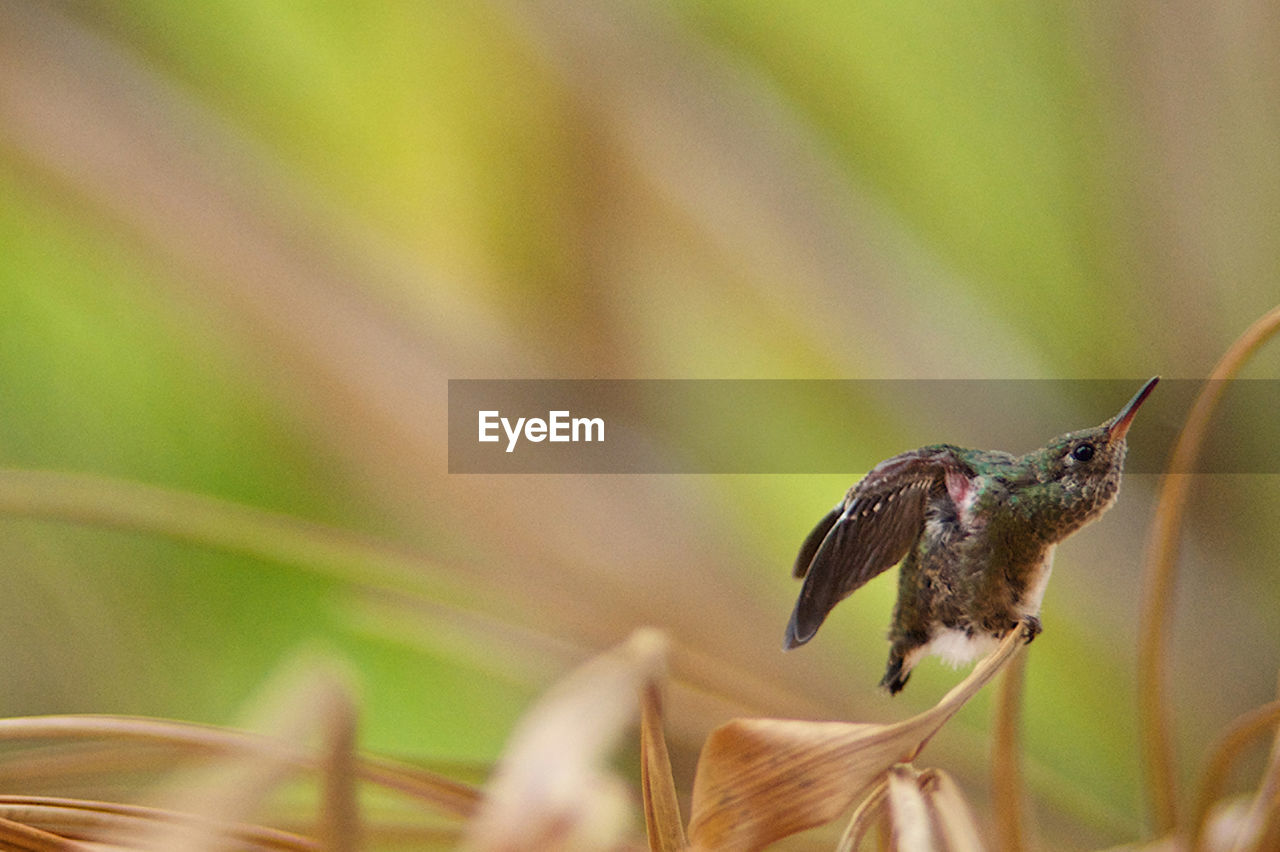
pixel 814 540
pixel 879 520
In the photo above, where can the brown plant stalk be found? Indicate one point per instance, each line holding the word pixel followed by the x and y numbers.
pixel 449 796
pixel 1158 575
pixel 62 818
pixel 1006 774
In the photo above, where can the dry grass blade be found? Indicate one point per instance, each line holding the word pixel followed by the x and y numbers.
pixel 760 780
pixel 1162 552
pixel 552 790
pixel 662 820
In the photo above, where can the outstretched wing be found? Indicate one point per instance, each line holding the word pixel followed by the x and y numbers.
pixel 869 532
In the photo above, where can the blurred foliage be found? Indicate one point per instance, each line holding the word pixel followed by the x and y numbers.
pixel 245 244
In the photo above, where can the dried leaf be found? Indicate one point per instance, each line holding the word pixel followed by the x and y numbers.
pixel 551 790
pixel 908 813
pixel 662 819
pixel 951 815
pixel 760 780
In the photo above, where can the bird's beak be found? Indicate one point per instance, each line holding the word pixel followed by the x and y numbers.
pixel 1120 423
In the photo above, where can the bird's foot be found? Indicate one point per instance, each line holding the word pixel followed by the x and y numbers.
pixel 894 677
pixel 1030 628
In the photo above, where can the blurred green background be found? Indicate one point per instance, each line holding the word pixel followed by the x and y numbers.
pixel 243 246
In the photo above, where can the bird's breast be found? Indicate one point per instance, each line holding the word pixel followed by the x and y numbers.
pixel 1037 581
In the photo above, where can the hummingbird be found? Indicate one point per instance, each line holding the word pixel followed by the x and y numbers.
pixel 975 531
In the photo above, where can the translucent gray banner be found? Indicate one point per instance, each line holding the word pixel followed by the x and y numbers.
pixel 821 426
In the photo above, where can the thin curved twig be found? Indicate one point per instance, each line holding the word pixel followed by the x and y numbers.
pixel 1158 575
pixel 98 822
pixel 451 797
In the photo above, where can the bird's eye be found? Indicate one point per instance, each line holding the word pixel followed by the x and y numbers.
pixel 1082 453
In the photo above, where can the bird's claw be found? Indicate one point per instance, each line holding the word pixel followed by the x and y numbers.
pixel 1030 628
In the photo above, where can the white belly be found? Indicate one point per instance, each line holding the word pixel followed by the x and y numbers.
pixel 955 647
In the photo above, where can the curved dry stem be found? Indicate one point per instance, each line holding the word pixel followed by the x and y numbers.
pixel 1158 575
pixel 110 822
pixel 1006 771
pixel 391 579
pixel 18 837
pixel 1240 734
pixel 82 498
pixel 865 816
pixel 450 796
